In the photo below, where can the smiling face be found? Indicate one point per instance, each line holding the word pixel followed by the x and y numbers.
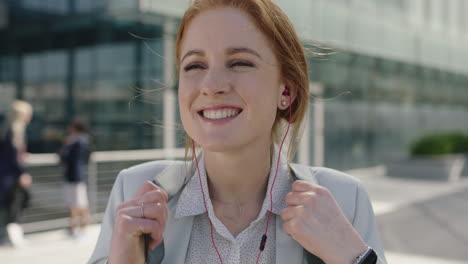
pixel 229 81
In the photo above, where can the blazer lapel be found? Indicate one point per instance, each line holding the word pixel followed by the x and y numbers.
pixel 176 239
pixel 173 178
pixel 178 230
pixel 301 172
pixel 174 247
pixel 287 249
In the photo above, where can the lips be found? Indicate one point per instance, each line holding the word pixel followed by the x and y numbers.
pixel 219 112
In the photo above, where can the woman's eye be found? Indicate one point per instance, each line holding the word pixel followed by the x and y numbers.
pixel 241 64
pixel 192 67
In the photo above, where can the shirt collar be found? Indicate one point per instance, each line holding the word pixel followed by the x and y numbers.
pixel 191 199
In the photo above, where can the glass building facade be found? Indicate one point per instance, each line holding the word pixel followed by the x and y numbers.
pixel 70 58
pixel 396 70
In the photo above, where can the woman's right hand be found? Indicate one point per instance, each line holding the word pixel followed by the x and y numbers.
pixel 145 213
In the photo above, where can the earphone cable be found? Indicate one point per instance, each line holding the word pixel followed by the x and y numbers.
pixel 264 236
pixel 204 202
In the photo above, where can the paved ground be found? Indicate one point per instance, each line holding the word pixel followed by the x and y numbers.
pixel 421 222
pixel 52 247
pixel 437 227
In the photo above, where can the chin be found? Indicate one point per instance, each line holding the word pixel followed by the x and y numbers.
pixel 218 146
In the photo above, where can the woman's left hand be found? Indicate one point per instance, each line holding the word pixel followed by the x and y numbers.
pixel 314 219
pixel 25 180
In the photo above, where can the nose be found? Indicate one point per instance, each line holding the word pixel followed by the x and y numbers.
pixel 215 82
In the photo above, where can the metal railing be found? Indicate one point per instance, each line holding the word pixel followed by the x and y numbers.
pixel 47 208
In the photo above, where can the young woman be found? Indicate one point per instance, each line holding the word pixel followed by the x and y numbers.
pixel 14 179
pixel 243 86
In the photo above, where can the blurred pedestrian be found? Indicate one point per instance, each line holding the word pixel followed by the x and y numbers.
pixel 74 156
pixel 14 180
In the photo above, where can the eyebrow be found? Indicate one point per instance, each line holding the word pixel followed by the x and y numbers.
pixel 229 51
pixel 193 52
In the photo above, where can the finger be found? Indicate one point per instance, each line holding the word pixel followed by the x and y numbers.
pixel 303 186
pixel 292 227
pixel 286 214
pixel 140 226
pixel 156 233
pixel 146 187
pixel 125 204
pixel 156 211
pixel 291 212
pixel 153 196
pixel 301 198
pixel 154 243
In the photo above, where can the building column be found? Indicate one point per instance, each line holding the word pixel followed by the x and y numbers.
pixel 436 14
pixel 316 90
pixel 303 151
pixel 4 14
pixel 19 75
pixel 416 10
pixel 454 16
pixel 138 77
pixel 169 96
pixel 70 83
pixel 463 23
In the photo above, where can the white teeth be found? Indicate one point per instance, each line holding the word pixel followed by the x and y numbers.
pixel 220 114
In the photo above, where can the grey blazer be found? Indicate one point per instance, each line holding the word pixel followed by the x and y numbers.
pixel 172 176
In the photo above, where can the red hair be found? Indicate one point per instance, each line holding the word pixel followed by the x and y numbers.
pixel 275 25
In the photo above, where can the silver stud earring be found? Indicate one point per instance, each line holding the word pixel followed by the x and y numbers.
pixel 283 103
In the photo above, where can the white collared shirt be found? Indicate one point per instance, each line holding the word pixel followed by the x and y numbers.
pixel 244 248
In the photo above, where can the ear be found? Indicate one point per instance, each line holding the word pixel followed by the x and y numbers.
pixel 286 97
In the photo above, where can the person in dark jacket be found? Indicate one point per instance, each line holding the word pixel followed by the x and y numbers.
pixel 10 173
pixel 74 157
pixel 14 180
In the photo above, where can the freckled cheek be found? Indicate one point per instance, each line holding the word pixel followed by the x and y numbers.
pixel 185 102
pixel 185 115
pixel 265 111
pixel 187 92
pixel 256 92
